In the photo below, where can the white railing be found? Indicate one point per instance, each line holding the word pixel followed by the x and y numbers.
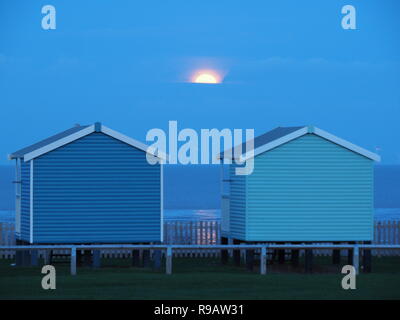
pixel 168 249
pixel 208 233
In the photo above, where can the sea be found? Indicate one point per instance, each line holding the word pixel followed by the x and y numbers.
pixel 380 214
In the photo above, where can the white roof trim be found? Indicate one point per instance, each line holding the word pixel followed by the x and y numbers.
pixel 31 203
pixel 274 144
pixel 316 131
pixel 346 144
pixel 132 142
pixel 59 143
pixel 84 132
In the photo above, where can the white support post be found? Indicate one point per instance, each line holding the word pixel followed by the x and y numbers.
pixel 263 261
pixel 356 259
pixel 168 267
pixel 31 203
pixel 73 261
pixel 161 202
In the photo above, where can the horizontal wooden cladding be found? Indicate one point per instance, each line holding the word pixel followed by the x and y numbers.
pixel 105 225
pixel 96 189
pixel 310 189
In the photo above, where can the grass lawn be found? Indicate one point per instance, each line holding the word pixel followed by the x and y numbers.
pixel 200 279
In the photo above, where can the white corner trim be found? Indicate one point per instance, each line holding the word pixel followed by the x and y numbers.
pixel 162 202
pixel 59 143
pixel 274 144
pixel 132 142
pixel 31 204
pixel 346 144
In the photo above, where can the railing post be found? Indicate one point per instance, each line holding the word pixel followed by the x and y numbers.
pixel 356 256
pixel 73 261
pixel 168 267
pixel 263 261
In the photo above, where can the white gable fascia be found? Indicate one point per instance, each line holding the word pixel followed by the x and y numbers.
pixel 346 144
pixel 84 132
pixel 314 130
pixel 274 144
pixel 132 142
pixel 59 143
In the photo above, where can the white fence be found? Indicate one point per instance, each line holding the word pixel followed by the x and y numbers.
pixel 208 233
pixel 193 232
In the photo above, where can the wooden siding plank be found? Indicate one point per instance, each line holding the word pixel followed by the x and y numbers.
pixel 310 190
pixel 96 190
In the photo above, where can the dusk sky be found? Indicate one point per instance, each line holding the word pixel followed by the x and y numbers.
pixel 128 65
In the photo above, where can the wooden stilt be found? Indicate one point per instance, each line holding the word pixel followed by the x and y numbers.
pixel 157 259
pixel 356 259
pixel 96 262
pixel 224 253
pixel 281 255
pixel 336 255
pixel 18 254
pixel 34 258
pixel 263 261
pixel 295 257
pixel 367 259
pixel 168 262
pixel 350 254
pixel 46 257
pixel 236 253
pixel 26 258
pixel 249 259
pixel 79 258
pixel 135 258
pixel 308 260
pixel 146 258
pixel 87 257
pixel 73 261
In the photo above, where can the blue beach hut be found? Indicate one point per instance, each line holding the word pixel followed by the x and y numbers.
pixel 88 184
pixel 307 186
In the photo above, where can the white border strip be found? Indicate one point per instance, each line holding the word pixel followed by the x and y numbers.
pixel 162 201
pixel 84 132
pixel 274 144
pixel 131 142
pixel 31 204
pixel 346 144
pixel 318 132
pixel 59 143
pixel 17 197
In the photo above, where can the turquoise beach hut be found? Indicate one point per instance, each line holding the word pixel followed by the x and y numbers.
pixel 307 186
pixel 88 184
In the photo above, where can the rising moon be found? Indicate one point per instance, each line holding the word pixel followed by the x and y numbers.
pixel 206 77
